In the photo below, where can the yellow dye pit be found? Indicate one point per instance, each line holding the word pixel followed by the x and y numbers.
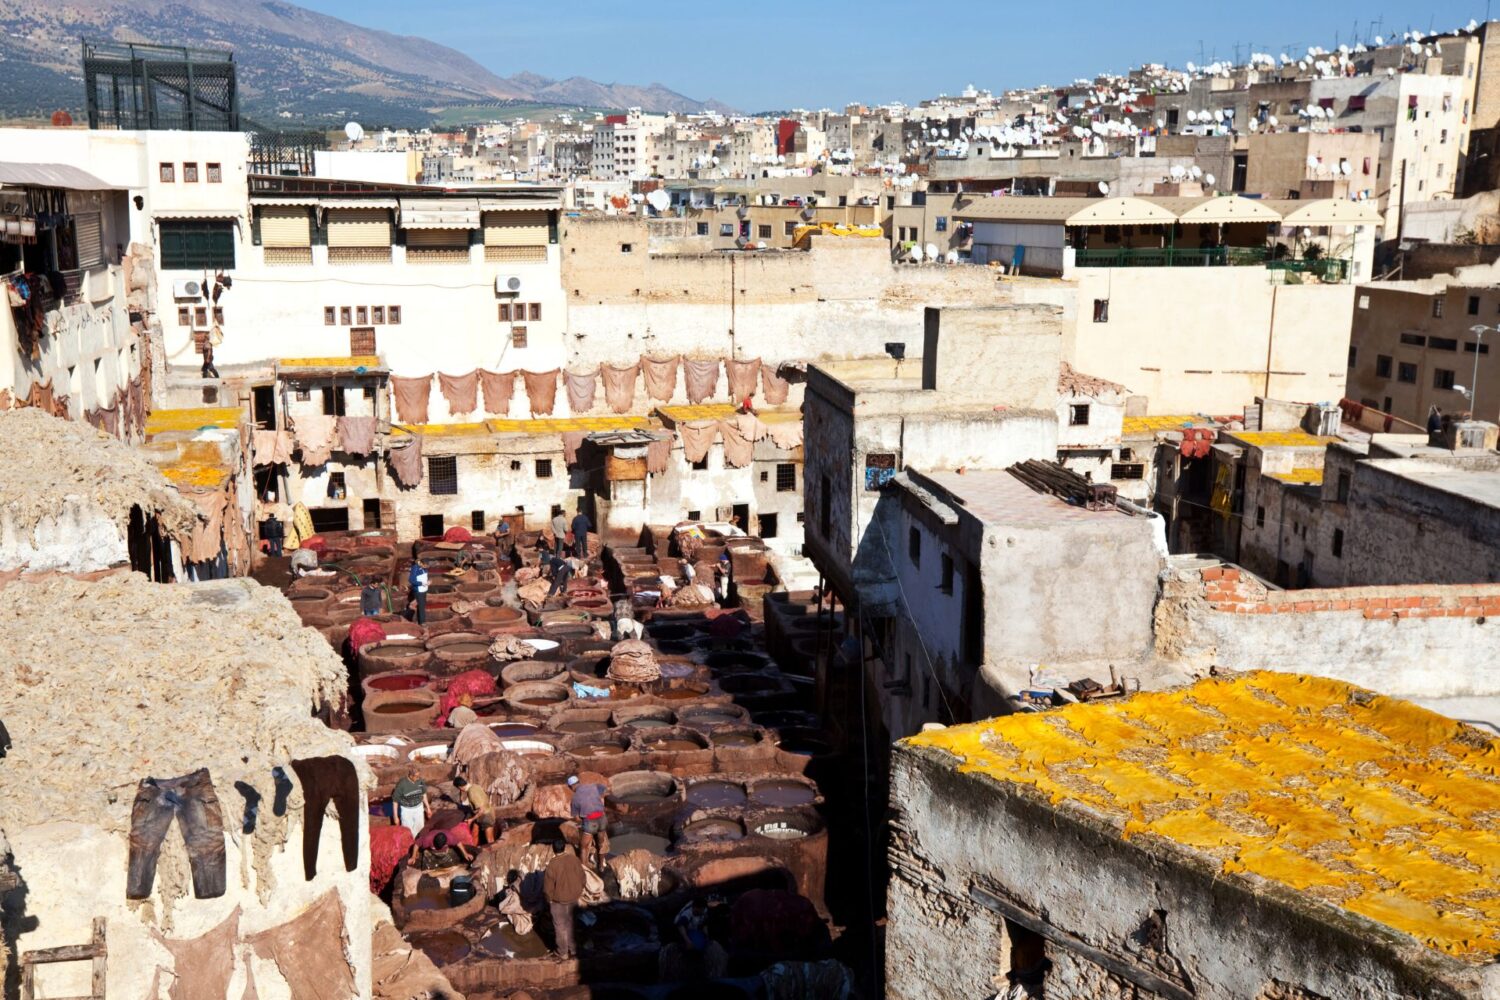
pixel 1283 439
pixel 191 419
pixel 1372 804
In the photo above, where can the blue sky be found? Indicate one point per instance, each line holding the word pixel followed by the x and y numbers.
pixel 778 54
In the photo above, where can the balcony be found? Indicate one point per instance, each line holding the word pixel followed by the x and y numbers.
pixel 1325 270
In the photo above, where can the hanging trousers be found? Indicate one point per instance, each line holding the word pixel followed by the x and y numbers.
pixel 326 779
pixel 192 802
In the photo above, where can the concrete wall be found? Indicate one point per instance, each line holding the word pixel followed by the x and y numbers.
pixel 1415 641
pixel 1405 528
pixel 1202 340
pixel 1006 355
pixel 1075 876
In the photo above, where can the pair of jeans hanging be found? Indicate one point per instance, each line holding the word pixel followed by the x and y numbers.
pixel 191 801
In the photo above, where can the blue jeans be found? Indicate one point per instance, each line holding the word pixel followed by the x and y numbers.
pixel 192 802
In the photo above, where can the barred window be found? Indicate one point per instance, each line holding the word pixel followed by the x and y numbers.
pixel 442 475
pixel 544 468
pixel 786 477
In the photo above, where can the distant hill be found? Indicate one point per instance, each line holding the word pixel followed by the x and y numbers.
pixel 295 65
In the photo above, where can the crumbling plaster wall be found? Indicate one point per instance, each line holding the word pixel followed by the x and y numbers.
pixel 953 831
pixel 1425 641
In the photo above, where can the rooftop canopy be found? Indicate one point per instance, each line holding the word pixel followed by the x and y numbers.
pixel 1147 210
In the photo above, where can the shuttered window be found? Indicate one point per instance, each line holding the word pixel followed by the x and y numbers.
pixel 196 245
pixel 88 231
pixel 359 227
pixel 515 229
pixel 446 238
pixel 285 226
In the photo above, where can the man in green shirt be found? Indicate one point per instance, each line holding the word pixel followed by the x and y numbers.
pixel 410 801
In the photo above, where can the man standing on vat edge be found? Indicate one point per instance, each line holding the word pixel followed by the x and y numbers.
pixel 417 581
pixel 562 884
pixel 588 810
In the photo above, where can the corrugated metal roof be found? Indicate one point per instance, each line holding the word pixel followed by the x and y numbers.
pixel 1069 211
pixel 439 213
pixel 56 175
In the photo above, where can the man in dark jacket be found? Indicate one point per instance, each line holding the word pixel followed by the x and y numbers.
pixel 581 528
pixel 562 884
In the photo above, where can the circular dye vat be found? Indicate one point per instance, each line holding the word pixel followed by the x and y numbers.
pixel 647 722
pixel 735 740
pixel 714 828
pixel 397 682
pixel 542 701
pixel 401 707
pixel 430 754
pixel 782 793
pixel 711 719
pixel 713 794
pixel 780 831
pixel 377 754
pixel 597 750
pixel 506 942
pixel 506 729
pixel 428 896
pixel 529 748
pixel 581 726
pixel 673 745
pixel 445 947
pixel 463 648
pixel 638 840
pixel 401 652
pixel 682 693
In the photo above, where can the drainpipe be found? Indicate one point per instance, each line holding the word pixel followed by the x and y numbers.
pixel 1270 341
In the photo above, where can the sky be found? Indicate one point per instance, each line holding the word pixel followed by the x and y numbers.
pixel 778 54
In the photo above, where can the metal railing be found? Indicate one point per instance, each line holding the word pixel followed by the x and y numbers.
pixel 1329 270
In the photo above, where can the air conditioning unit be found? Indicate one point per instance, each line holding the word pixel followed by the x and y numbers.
pixel 187 288
pixel 507 284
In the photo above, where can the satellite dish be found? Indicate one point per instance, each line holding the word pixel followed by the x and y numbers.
pixel 1209 180
pixel 1416 48
pixel 1104 187
pixel 1312 161
pixel 1196 171
pixel 932 252
pixel 1192 116
pixel 1254 125
pixel 1161 123
pixel 1273 121
pixel 1345 168
pixel 1379 40
pixel 354 131
pixel 1177 172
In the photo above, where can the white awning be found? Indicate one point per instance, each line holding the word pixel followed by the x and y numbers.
pixel 357 203
pixel 283 199
pixel 439 213
pixel 497 205
pixel 55 175
pixel 1330 212
pixel 195 213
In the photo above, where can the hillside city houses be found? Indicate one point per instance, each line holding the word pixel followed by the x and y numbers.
pixel 1027 544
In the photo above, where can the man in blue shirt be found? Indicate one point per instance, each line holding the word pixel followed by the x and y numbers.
pixel 416 580
pixel 588 810
pixel 581 528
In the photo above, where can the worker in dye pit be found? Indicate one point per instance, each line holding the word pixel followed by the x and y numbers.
pixel 588 810
pixel 416 581
pixel 559 530
pixel 463 713
pixel 581 528
pixel 622 624
pixel 562 884
pixel 559 570
pixel 441 854
pixel 482 818
pixel 409 799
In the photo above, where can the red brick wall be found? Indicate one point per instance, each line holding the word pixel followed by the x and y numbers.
pixel 1227 588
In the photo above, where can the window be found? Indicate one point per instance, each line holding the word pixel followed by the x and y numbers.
pixel 442 475
pixel 1479 348
pixel 914 546
pixel 432 525
pixel 1414 339
pixel 879 470
pixel 362 341
pixel 515 465
pixel 377 315
pixel 1364 300
pixel 946 583
pixel 361 315
pixel 346 315
pixel 215 173
pixel 1407 373
pixel 518 336
pixel 1343 488
pixel 1473 305
pixel 330 316
pixel 942 223
pixel 702 229
pixel 768 526
pixel 337 490
pixel 393 314
pixel 476 520
pixel 190 173
pixel 544 468
pixel 166 173
pixel 790 228
pixel 1442 343
pixel 1127 470
pixel 1437 308
pixel 726 229
pixel 1101 310
pixel 1078 415
pixel 184 316
pixel 200 316
pixel 786 477
pixel 197 245
pixel 763 231
pixel 1260 517
pixel 627 247
pixel 1382 366
pixel 333 401
pixel 505 312
pixel 1353 355
pixel 534 311
pixel 1442 378
pixel 1338 543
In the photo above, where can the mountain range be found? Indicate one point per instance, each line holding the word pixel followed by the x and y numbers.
pixel 293 64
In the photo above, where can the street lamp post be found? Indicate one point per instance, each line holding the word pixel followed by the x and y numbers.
pixel 1478 330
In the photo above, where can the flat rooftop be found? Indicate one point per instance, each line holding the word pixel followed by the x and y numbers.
pixel 1480 483
pixel 997 497
pixel 1367 804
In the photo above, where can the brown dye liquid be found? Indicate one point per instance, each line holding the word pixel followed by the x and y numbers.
pixel 679 694
pixel 445 947
pixel 672 746
pixel 513 729
pixel 427 897
pixel 648 723
pixel 398 682
pixel 709 794
pixel 597 750
pixel 582 726
pixel 401 652
pixel 711 719
pixel 542 700
pixel 646 797
pixel 465 648
pixel 401 707
pixel 505 942
pixel 782 793
pixel 735 740
pixel 714 829
pixel 621 843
